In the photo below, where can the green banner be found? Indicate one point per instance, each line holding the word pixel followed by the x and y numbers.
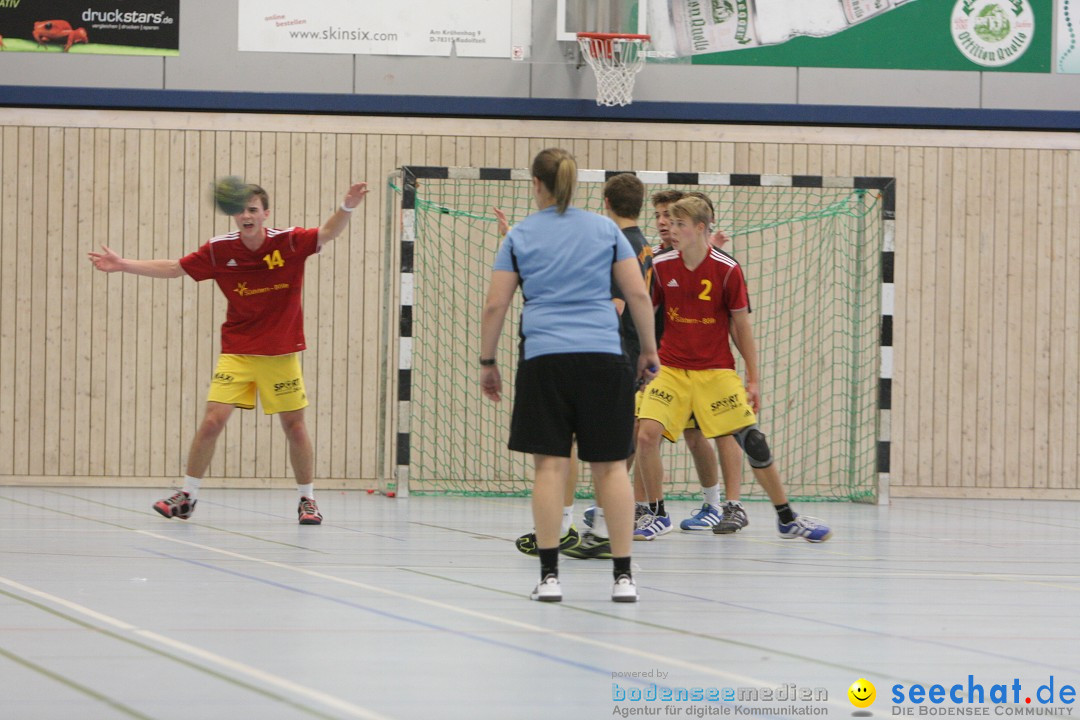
pixel 986 35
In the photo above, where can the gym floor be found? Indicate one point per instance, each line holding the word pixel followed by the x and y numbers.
pixel 418 608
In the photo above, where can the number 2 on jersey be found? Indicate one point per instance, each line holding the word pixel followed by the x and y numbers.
pixel 275 260
pixel 706 289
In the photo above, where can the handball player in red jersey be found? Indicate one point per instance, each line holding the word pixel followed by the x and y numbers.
pixel 260 270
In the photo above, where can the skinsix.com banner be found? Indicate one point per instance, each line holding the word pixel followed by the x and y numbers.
pixel 108 27
pixel 1001 35
pixel 477 28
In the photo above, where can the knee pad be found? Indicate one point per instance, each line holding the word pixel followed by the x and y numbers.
pixel 753 443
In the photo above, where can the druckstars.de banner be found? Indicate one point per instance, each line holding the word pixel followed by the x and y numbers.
pixel 105 27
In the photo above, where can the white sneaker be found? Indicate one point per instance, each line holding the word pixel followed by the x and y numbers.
pixel 547 590
pixel 624 590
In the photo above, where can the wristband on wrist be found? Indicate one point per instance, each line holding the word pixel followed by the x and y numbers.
pixel 346 209
pixel 487 362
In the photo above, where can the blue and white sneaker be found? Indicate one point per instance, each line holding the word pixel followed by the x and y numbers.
pixel 590 513
pixel 650 526
pixel 704 519
pixel 805 527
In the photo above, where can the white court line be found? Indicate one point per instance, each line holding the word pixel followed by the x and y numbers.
pixel 611 647
pixel 538 629
pixel 233 665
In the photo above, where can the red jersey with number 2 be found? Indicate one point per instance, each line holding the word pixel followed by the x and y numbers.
pixel 697 305
pixel 263 288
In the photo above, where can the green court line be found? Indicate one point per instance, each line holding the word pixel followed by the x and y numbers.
pixel 140 512
pixel 168 656
pixel 77 687
pixel 470 533
pixel 641 623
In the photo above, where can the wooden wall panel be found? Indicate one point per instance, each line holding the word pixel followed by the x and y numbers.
pixel 104 378
pixel 9 273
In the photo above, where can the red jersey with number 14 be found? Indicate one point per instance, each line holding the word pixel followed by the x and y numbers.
pixel 263 288
pixel 697 305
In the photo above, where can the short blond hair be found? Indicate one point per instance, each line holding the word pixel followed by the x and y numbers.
pixel 694 208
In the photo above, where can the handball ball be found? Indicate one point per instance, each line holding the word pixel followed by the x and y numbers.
pixel 230 194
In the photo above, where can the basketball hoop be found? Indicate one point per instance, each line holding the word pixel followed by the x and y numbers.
pixel 616 59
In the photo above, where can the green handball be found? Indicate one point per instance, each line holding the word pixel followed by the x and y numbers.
pixel 231 194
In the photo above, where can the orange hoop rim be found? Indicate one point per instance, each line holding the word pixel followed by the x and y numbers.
pixel 601 46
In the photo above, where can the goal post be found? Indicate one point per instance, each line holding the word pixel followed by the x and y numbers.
pixel 817 253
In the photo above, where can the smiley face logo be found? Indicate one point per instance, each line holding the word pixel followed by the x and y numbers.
pixel 862 693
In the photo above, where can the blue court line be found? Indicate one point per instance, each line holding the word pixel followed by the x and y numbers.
pixel 393 616
pixel 607 674
pixel 853 628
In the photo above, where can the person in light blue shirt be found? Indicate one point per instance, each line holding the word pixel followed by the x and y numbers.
pixel 564 261
pixel 573 381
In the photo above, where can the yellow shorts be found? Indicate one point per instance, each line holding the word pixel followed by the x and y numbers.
pixel 715 398
pixel 691 424
pixel 277 378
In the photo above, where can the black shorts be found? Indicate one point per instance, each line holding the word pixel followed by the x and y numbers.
pixel 589 396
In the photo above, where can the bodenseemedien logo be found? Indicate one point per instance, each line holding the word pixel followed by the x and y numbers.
pixel 993 33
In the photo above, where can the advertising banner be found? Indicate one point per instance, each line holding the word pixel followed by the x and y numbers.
pixel 1068 25
pixel 477 28
pixel 118 27
pixel 1005 35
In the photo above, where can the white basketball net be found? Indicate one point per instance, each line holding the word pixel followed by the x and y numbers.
pixel 616 62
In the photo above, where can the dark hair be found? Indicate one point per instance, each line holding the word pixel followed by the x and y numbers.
pixel 557 170
pixel 256 191
pixel 667 197
pixel 626 193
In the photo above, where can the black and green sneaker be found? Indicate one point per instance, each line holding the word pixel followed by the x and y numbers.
pixel 527 542
pixel 590 547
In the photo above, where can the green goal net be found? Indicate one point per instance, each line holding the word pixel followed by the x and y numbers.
pixel 812 259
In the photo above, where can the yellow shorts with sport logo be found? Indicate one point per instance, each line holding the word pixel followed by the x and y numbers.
pixel 715 398
pixel 277 379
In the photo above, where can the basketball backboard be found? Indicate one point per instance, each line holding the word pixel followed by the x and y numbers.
pixel 607 16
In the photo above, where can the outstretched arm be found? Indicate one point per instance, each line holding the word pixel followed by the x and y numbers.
pixel 719 239
pixel 337 222
pixel 108 261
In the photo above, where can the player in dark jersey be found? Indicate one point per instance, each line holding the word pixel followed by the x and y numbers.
pixel 260 271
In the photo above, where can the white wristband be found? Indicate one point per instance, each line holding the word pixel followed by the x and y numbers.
pixel 346 209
